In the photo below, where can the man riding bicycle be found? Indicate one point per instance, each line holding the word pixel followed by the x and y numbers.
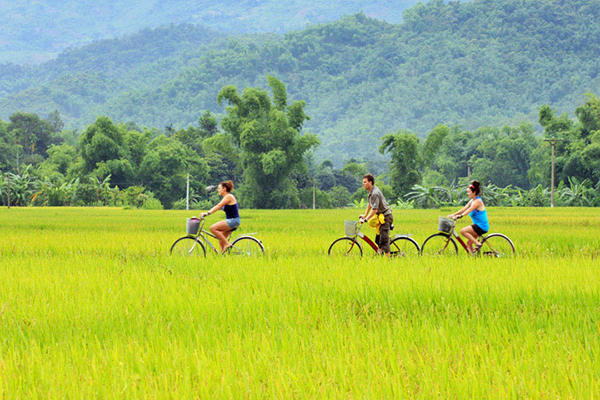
pixel 377 205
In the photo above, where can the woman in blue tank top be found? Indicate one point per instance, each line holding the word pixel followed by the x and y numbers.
pixel 232 216
pixel 476 210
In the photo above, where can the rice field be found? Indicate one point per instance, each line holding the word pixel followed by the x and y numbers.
pixel 93 306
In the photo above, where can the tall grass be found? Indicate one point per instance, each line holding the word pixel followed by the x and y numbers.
pixel 92 306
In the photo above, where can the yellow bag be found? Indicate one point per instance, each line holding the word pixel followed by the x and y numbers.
pixel 376 222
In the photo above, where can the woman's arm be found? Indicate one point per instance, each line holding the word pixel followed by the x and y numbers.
pixel 222 203
pixel 474 205
pixel 461 211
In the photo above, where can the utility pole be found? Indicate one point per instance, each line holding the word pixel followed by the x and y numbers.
pixel 552 142
pixel 469 171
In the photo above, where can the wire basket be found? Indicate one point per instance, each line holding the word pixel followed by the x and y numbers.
pixel 445 224
pixel 192 225
pixel 350 227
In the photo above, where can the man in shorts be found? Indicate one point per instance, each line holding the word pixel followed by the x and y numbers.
pixel 376 205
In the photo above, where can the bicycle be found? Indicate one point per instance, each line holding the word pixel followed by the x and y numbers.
pixel 196 241
pixel 442 243
pixel 348 246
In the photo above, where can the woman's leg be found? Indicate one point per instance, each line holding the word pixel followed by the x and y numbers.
pixel 471 236
pixel 220 230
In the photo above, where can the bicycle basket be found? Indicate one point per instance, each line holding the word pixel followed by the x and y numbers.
pixel 350 227
pixel 192 226
pixel 445 224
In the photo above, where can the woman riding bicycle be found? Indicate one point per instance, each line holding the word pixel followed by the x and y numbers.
pixel 476 209
pixel 232 216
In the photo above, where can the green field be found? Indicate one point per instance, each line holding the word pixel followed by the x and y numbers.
pixel 92 306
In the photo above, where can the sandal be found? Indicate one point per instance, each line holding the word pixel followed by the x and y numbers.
pixel 476 247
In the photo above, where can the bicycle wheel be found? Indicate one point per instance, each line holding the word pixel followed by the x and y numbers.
pixel 404 247
pixel 345 247
pixel 439 245
pixel 188 247
pixel 246 246
pixel 497 245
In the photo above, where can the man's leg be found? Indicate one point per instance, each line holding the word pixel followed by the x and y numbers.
pixel 384 232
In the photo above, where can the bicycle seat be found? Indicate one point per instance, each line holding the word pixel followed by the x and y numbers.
pixel 232 230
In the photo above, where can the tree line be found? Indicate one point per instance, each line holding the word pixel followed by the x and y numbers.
pixel 470 63
pixel 260 144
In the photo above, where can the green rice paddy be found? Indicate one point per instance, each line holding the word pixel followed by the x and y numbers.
pixel 93 306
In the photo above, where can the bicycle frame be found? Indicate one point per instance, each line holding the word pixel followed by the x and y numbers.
pixel 459 239
pixel 364 237
pixel 202 233
pixel 400 244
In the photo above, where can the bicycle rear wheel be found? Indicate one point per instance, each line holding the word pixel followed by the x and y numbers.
pixel 497 245
pixel 188 247
pixel 439 245
pixel 345 247
pixel 246 246
pixel 404 247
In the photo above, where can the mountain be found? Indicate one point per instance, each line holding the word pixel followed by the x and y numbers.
pixel 81 78
pixel 488 62
pixel 33 31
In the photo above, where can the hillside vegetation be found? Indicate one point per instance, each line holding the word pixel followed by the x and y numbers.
pixel 473 64
pixel 35 31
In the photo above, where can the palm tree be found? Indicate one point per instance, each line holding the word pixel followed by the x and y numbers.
pixel 426 196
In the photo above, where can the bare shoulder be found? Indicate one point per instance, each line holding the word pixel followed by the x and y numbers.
pixel 230 199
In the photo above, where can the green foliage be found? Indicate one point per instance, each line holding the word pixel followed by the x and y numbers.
pixel 432 144
pixel 56 31
pixel 355 169
pixel 405 163
pixel 32 133
pixel 101 144
pixel 165 167
pixel 59 159
pixel 474 63
pixel 340 196
pixel 268 135
pixel 262 149
pixel 504 155
pixel 322 198
pixel 22 187
pixel 403 205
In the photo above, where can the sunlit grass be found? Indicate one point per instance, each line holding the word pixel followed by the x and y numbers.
pixel 92 306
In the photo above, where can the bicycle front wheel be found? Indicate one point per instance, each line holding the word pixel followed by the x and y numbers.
pixel 497 245
pixel 247 246
pixel 439 245
pixel 188 247
pixel 404 247
pixel 345 247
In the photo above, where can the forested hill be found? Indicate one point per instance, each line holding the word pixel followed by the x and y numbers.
pixel 35 31
pixel 477 63
pixel 148 57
